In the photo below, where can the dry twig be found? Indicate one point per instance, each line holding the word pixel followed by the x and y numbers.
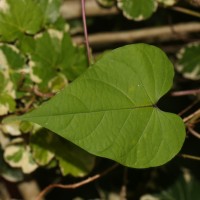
pixel 188 107
pixel 192 117
pixel 193 132
pixel 190 157
pixel 72 9
pixel 186 92
pixel 76 185
pixel 163 33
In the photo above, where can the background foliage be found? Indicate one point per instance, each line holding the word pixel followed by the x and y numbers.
pixel 38 58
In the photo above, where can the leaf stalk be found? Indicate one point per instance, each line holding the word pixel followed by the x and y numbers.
pixel 89 55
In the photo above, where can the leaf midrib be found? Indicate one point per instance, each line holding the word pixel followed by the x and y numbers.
pixel 87 112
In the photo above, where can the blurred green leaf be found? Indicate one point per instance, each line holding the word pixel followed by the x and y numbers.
pixel 18 155
pixel 137 9
pixel 186 187
pixel 107 3
pixel 51 10
pixel 7 104
pixel 11 128
pixel 14 69
pixel 41 145
pixel 16 19
pixel 72 159
pixel 9 173
pixel 57 83
pixel 189 61
pixel 52 55
pixel 25 127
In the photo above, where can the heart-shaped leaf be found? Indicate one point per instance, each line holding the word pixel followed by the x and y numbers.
pixel 110 110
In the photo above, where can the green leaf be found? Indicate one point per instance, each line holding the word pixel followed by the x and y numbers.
pixel 57 83
pixel 7 104
pixel 16 19
pixel 51 9
pixel 25 127
pixel 11 57
pixel 9 173
pixel 189 61
pixel 106 3
pixel 137 9
pixel 11 128
pixel 53 54
pixel 14 70
pixel 26 44
pixel 18 155
pixel 72 159
pixel 41 145
pixel 110 110
pixel 46 145
pixel 3 80
pixel 185 187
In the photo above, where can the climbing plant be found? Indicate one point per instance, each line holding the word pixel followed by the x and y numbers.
pixel 59 112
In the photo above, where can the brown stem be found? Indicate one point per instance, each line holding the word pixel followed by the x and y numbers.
pixel 190 157
pixel 191 118
pixel 186 92
pixel 188 107
pixel 27 106
pixel 186 11
pixel 71 9
pixel 40 94
pixel 162 33
pixel 86 32
pixel 76 185
pixel 194 133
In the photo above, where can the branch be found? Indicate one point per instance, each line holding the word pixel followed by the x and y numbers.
pixel 186 11
pixel 188 107
pixel 89 55
pixel 193 132
pixel 192 117
pixel 190 157
pixel 186 92
pixel 76 185
pixel 40 94
pixel 163 33
pixel 72 9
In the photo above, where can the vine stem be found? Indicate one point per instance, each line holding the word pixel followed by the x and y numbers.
pixel 75 185
pixel 190 157
pixel 186 11
pixel 188 107
pixel 89 55
pixel 193 132
pixel 192 117
pixel 186 92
